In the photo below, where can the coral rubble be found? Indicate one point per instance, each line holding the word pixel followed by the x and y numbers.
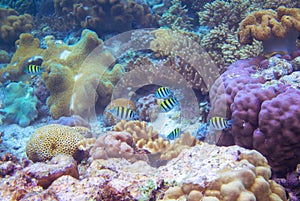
pixel 209 173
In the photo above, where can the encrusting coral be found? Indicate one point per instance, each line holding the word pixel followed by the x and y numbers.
pixel 12 25
pixel 51 140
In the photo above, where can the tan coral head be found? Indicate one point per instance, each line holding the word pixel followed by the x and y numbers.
pixel 277 29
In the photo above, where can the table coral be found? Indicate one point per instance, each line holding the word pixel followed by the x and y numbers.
pixel 269 25
pixel 51 140
pixel 12 25
pixel 264 107
pixel 19 104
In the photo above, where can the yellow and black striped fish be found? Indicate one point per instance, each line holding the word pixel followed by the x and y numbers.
pixel 33 69
pixel 174 134
pixel 163 92
pixel 219 123
pixel 169 104
pixel 123 113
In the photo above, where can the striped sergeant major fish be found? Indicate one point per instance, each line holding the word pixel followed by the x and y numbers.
pixel 169 104
pixel 163 92
pixel 33 69
pixel 174 134
pixel 219 123
pixel 123 113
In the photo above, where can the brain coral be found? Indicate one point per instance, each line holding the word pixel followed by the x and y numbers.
pixel 265 109
pixel 51 140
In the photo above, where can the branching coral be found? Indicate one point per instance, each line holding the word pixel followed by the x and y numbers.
pixel 189 59
pixel 176 17
pixel 224 17
pixel 223 46
pixel 223 12
pixel 12 25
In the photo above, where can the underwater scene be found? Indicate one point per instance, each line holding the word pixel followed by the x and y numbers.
pixel 145 100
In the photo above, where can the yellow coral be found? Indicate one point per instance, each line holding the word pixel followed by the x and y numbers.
pixel 12 24
pixel 51 140
pixel 264 24
pixel 75 77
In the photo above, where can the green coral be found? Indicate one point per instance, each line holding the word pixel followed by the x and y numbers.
pixel 19 104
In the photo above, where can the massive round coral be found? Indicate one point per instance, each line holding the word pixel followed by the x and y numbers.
pixel 51 140
pixel 264 109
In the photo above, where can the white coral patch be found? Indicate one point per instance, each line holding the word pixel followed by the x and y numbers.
pixel 64 54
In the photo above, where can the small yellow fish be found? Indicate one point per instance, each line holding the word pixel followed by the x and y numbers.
pixel 33 69
pixel 169 104
pixel 123 113
pixel 174 134
pixel 219 123
pixel 163 92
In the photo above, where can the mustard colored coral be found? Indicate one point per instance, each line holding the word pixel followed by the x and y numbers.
pixel 51 140
pixel 265 24
pixel 12 25
pixel 76 75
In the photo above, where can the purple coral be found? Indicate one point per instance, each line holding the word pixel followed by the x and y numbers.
pixel 265 110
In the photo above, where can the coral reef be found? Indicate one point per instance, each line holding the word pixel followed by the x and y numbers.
pixel 223 17
pixel 12 25
pixel 264 108
pixel 71 74
pixel 19 104
pixel 176 17
pixel 268 25
pixel 114 16
pixel 111 119
pixel 196 67
pixel 223 46
pixel 51 140
pixel 158 149
pixel 209 173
